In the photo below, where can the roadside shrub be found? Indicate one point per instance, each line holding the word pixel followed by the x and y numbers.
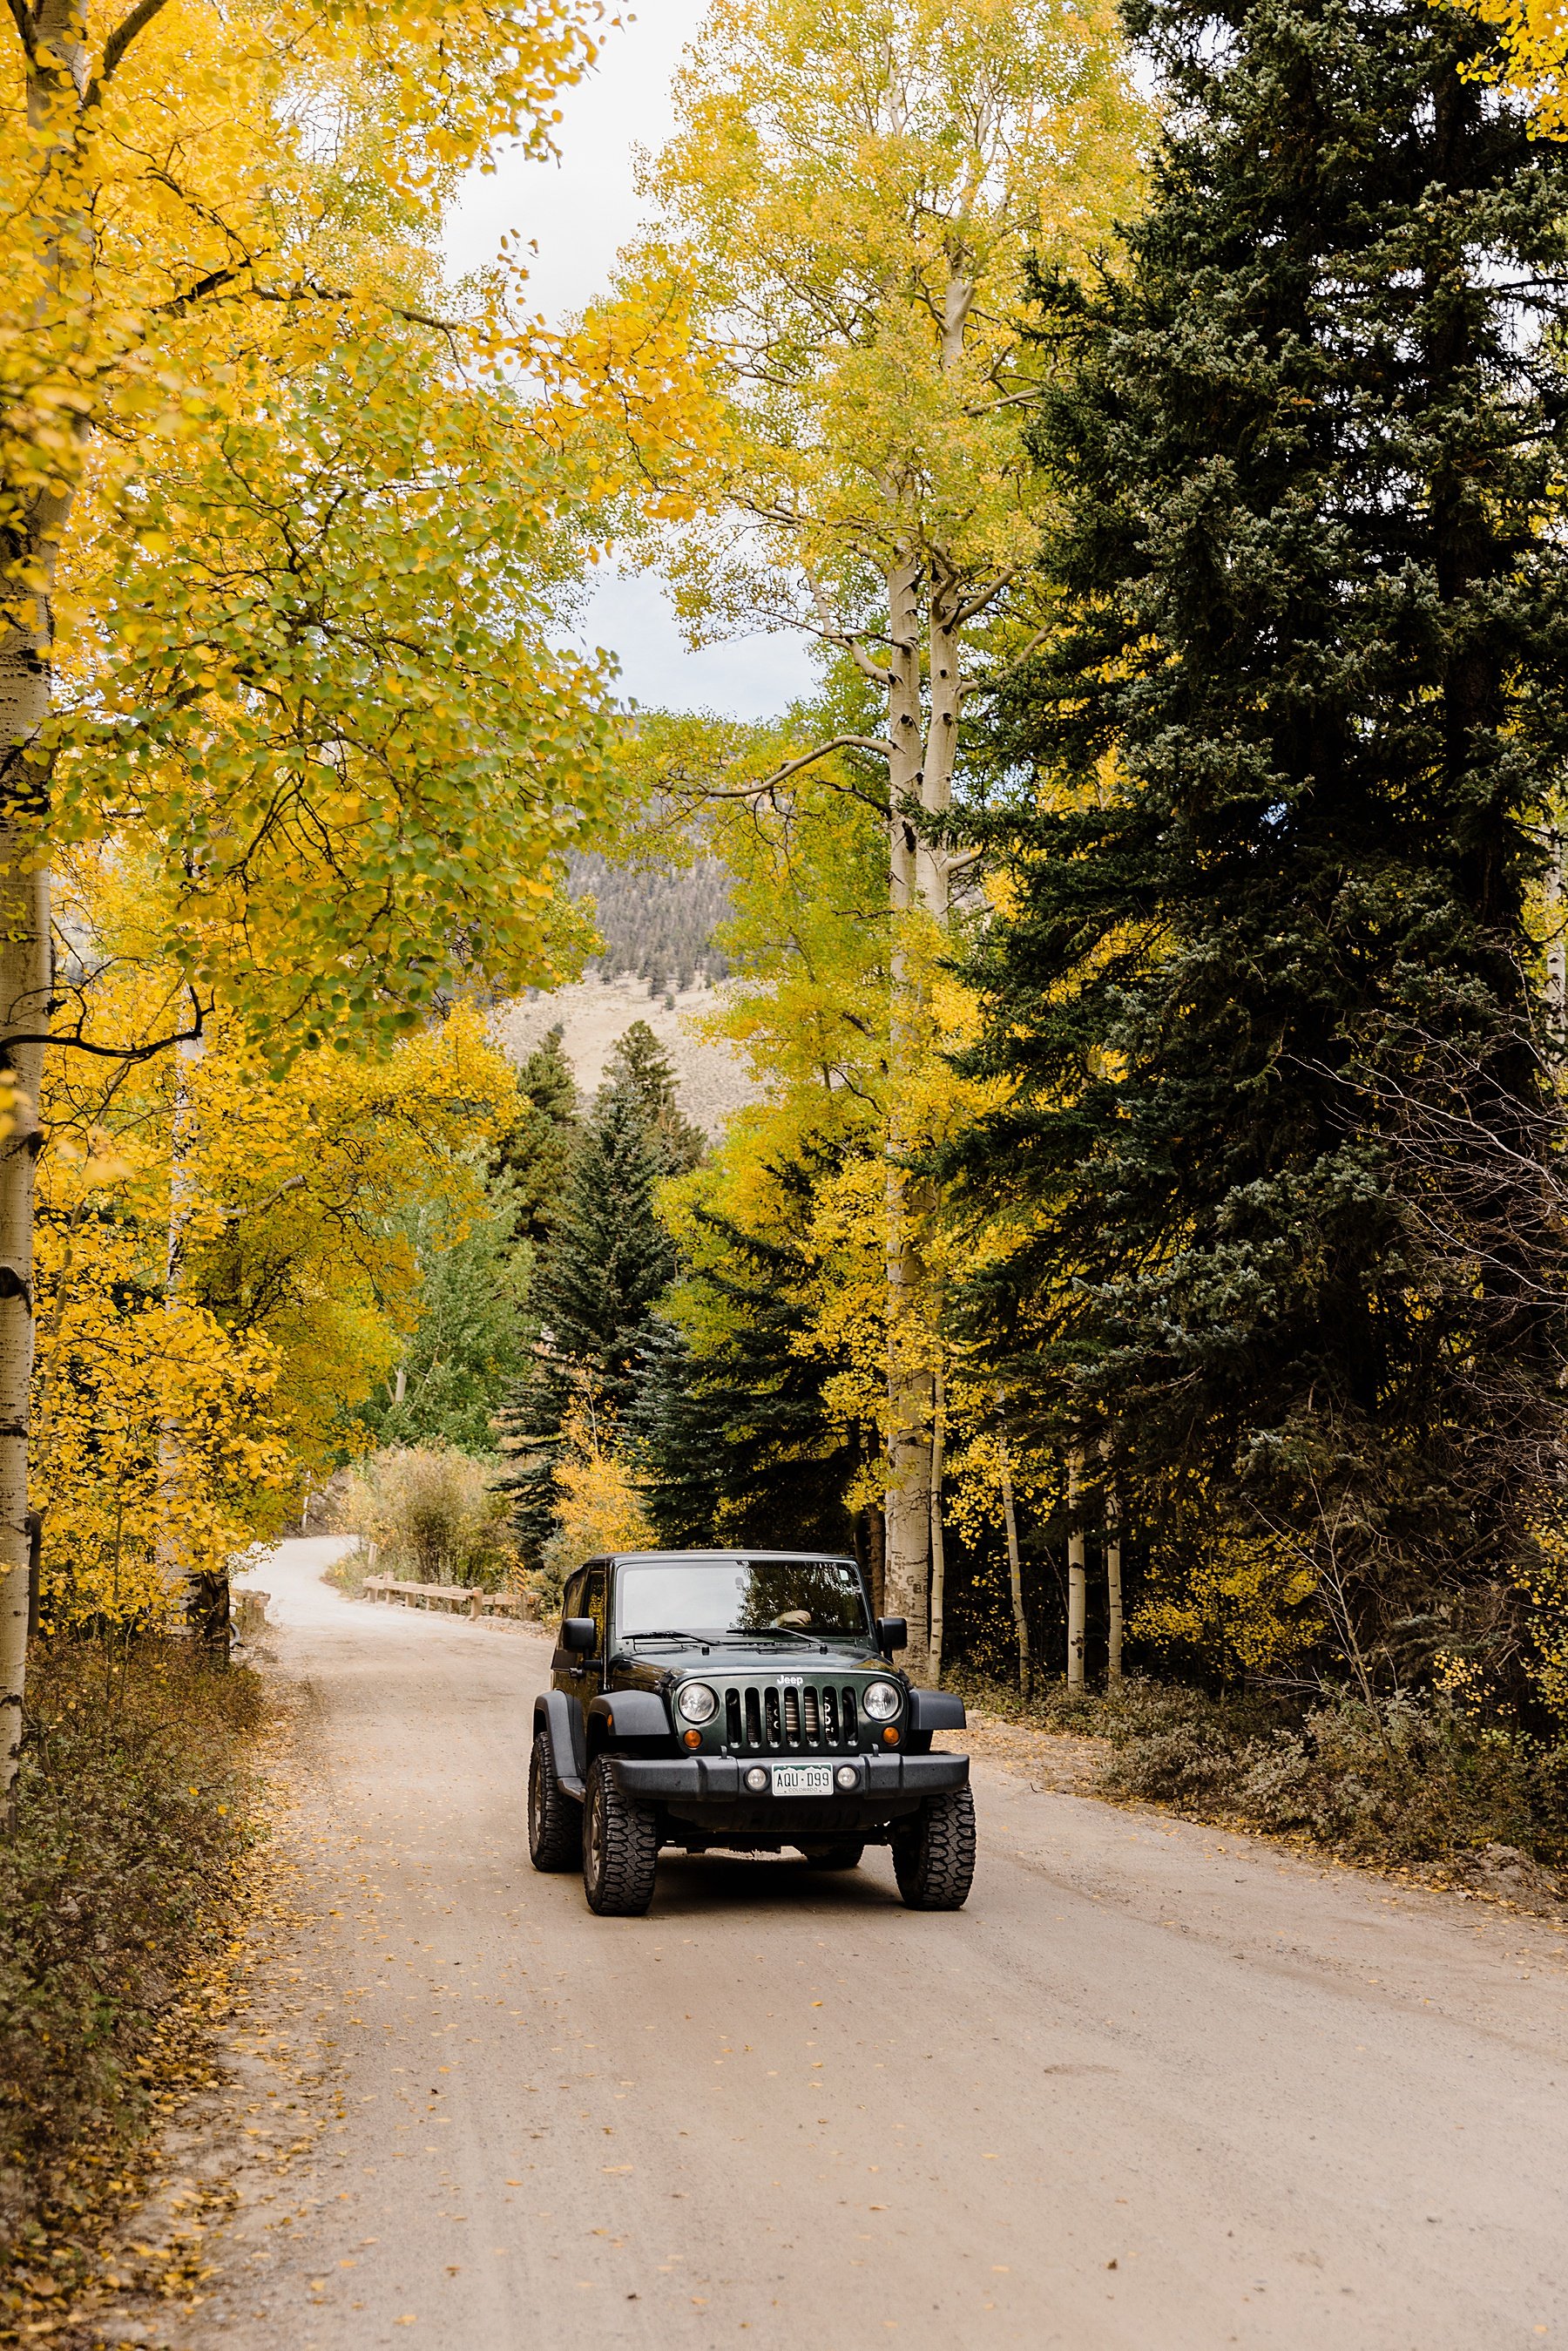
pixel 133 1813
pixel 432 1516
pixel 1410 1781
pixel 1416 1779
pixel 1131 1714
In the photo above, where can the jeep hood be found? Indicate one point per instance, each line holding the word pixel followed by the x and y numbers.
pixel 768 1657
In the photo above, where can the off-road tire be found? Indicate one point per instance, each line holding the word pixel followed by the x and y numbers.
pixel 933 1858
pixel 621 1849
pixel 836 1856
pixel 554 1831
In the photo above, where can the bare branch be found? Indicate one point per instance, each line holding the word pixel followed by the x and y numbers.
pixel 849 640
pixel 876 743
pixel 971 607
pixel 767 785
pixel 73 1041
pixel 260 1208
pixel 120 40
pixel 864 662
pixel 1009 399
pixel 178 304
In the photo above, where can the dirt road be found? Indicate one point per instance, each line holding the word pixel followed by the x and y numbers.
pixel 1156 2087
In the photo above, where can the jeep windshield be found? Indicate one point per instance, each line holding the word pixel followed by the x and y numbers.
pixel 763 1599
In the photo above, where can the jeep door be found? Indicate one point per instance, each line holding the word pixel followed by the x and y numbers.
pixel 580 1678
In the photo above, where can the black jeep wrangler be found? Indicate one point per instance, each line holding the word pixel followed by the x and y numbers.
pixel 744 1700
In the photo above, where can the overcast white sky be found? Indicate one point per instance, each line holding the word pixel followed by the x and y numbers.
pixel 580 211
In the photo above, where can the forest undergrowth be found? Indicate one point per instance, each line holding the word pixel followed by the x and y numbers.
pixel 139 1825
pixel 1415 1783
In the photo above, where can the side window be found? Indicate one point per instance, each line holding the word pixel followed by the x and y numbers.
pixel 593 1605
pixel 572 1594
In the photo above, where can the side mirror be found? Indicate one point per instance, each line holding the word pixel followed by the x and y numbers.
pixel 578 1633
pixel 892 1632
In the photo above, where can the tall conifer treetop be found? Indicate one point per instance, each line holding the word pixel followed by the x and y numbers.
pixel 538 1150
pixel 607 1262
pixel 640 1067
pixel 1263 992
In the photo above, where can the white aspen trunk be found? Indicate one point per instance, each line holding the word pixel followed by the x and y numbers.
pixel 909 1510
pixel 1014 1559
pixel 25 991
pixel 943 634
pixel 188 1591
pixel 876 1556
pixel 182 1166
pixel 55 80
pixel 25 981
pixel 1077 1580
pixel 940 760
pixel 1114 1586
pixel 920 773
pixel 1557 954
pixel 920 777
pixel 907 1571
pixel 939 1540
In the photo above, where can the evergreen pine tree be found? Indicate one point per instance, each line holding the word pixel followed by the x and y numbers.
pixel 606 1262
pixel 1279 1130
pixel 473 1336
pixel 733 1434
pixel 537 1152
pixel 640 1063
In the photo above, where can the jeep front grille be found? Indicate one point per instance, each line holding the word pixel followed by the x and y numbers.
pixel 810 1716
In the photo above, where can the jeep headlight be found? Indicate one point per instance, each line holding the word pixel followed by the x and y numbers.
pixel 880 1700
pixel 695 1702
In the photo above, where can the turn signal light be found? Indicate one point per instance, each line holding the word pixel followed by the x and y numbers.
pixel 693 1738
pixel 890 1737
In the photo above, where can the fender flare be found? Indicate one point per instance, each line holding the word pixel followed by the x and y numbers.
pixel 561 1724
pixel 932 1711
pixel 620 1715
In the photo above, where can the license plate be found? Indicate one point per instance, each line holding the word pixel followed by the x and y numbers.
pixel 802 1779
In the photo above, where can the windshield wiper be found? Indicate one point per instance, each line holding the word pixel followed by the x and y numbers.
pixel 678 1633
pixel 734 1639
pixel 787 1632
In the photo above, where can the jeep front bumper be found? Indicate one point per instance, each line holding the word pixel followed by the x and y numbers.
pixel 711 1792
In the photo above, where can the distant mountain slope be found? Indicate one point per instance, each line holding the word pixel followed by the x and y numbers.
pixel 657 924
pixel 711 1078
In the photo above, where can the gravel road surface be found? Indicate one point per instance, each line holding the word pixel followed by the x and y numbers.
pixel 1156 2087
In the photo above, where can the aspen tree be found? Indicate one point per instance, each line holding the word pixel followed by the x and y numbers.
pixel 1535 33
pixel 175 242
pixel 1078 1579
pixel 1114 1587
pixel 849 209
pixel 939 1535
pixel 1014 1559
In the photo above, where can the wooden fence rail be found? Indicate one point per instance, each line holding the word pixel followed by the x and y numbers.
pixel 458 1599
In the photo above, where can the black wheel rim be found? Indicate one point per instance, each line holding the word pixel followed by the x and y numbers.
pixel 595 1838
